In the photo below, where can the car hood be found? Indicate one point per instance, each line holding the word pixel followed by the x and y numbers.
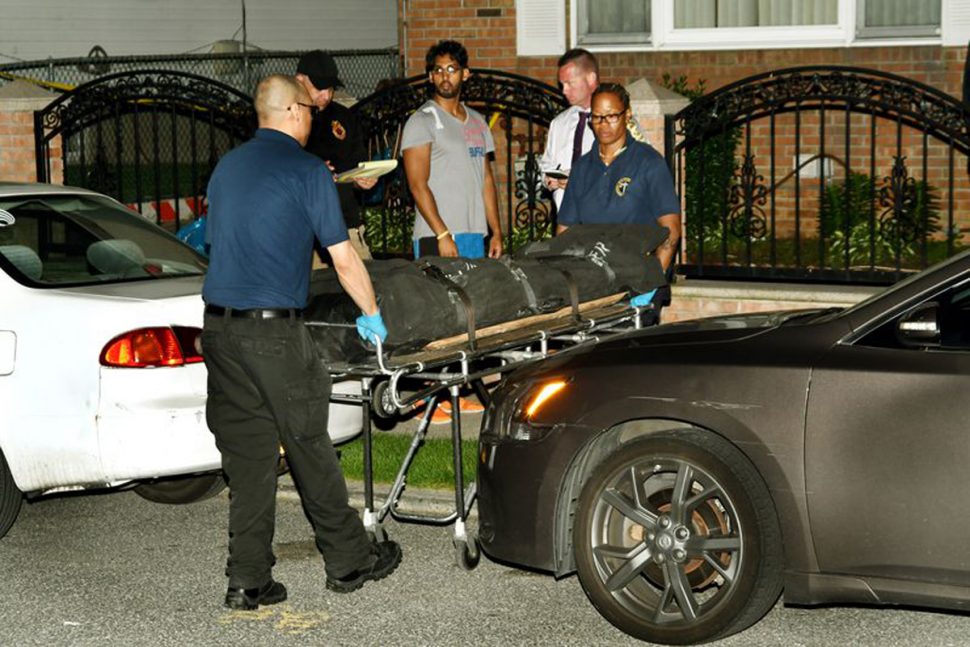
pixel 670 341
pixel 724 329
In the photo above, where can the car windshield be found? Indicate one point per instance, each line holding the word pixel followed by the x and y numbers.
pixel 900 285
pixel 70 240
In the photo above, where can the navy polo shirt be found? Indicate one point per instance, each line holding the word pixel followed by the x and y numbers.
pixel 267 200
pixel 635 188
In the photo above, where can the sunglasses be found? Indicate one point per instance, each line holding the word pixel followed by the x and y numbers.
pixel 451 69
pixel 309 106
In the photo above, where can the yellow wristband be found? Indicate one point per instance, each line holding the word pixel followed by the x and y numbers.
pixel 443 234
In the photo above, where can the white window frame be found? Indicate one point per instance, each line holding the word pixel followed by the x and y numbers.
pixel 665 37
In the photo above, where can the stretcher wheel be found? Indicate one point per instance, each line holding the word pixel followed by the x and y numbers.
pixel 467 553
pixel 381 400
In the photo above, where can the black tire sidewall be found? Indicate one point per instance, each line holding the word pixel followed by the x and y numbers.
pixel 182 491
pixel 11 498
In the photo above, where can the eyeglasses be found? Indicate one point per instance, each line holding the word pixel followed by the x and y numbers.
pixel 451 69
pixel 309 106
pixel 611 118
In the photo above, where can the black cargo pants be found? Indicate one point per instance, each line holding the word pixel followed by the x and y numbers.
pixel 267 387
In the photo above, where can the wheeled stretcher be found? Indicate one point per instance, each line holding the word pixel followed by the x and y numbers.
pixel 391 383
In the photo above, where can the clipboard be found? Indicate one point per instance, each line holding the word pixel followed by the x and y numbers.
pixel 557 173
pixel 371 168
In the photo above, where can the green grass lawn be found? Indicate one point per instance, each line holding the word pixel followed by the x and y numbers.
pixel 432 467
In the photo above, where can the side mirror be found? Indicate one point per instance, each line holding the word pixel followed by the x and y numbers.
pixel 920 326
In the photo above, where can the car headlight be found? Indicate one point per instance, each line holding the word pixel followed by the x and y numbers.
pixel 522 420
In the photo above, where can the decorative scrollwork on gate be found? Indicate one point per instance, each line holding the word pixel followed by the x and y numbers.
pixel 223 107
pixel 531 212
pixel 802 88
pixel 900 220
pixel 747 197
pixel 146 138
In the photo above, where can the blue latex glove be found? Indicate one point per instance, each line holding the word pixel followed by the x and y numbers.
pixel 643 300
pixel 193 234
pixel 370 325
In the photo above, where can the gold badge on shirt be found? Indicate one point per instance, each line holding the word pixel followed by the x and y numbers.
pixel 621 186
pixel 338 130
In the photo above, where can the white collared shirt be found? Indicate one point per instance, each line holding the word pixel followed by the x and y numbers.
pixel 559 144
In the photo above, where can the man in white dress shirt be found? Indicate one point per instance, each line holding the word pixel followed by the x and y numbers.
pixel 579 77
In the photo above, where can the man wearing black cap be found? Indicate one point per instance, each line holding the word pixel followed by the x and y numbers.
pixel 335 137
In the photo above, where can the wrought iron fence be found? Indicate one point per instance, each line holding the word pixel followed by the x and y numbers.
pixel 148 138
pixel 361 70
pixel 830 174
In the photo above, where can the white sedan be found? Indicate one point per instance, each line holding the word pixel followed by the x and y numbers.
pixel 101 378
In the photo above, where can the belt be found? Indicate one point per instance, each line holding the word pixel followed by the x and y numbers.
pixel 255 313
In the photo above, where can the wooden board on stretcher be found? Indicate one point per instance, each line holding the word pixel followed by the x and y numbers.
pixel 499 335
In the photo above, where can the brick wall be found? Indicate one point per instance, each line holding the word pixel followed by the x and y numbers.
pixel 18 101
pixel 487 29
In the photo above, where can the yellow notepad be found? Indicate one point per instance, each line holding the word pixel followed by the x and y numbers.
pixel 372 168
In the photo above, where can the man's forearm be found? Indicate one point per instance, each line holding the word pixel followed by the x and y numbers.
pixel 353 276
pixel 428 208
pixel 490 195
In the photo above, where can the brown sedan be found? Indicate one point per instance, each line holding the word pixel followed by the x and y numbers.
pixel 692 471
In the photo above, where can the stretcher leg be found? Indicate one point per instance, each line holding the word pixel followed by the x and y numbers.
pixel 372 524
pixel 466 544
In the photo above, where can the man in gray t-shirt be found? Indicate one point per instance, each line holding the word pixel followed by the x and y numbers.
pixel 446 146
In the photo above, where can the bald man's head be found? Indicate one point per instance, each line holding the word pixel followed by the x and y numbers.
pixel 275 99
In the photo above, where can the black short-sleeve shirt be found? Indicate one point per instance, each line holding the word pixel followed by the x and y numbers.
pixel 336 137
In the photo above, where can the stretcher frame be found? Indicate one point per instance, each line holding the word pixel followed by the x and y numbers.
pixel 441 370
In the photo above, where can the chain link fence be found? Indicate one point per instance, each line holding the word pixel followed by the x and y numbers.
pixel 360 70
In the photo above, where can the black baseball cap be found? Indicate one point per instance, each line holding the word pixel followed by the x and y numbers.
pixel 320 68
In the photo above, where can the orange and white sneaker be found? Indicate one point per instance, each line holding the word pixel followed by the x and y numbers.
pixel 440 416
pixel 465 405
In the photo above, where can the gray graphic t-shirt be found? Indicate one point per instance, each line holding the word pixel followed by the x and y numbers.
pixel 458 156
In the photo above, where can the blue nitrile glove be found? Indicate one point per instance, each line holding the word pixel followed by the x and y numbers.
pixel 193 234
pixel 370 325
pixel 643 300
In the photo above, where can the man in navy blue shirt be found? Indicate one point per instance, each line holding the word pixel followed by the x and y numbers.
pixel 267 387
pixel 621 181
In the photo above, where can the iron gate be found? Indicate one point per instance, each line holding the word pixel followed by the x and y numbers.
pixel 519 106
pixel 821 173
pixel 148 138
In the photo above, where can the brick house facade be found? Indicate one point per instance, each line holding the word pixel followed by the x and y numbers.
pixel 488 29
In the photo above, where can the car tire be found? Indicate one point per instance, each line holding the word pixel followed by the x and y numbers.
pixel 11 498
pixel 677 540
pixel 182 490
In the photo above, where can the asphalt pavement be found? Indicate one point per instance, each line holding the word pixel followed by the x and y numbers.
pixel 114 569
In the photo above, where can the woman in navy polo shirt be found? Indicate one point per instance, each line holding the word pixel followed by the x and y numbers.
pixel 621 180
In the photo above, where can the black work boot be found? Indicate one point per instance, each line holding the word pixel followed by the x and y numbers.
pixel 384 558
pixel 249 599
